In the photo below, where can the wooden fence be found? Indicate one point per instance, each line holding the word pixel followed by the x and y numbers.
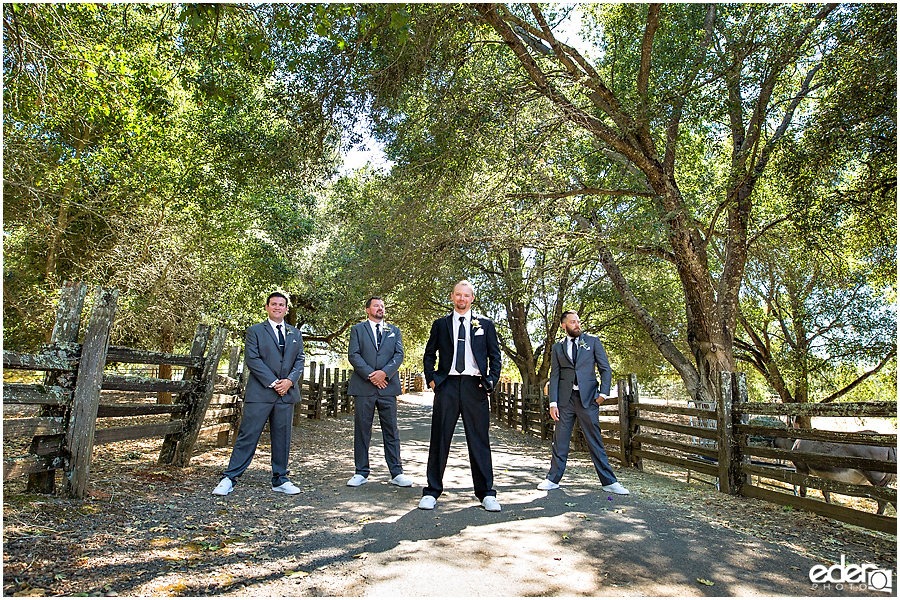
pixel 324 391
pixel 728 440
pixel 64 431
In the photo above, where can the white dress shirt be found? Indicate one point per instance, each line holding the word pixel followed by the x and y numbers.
pixel 372 324
pixel 570 341
pixel 274 327
pixel 471 365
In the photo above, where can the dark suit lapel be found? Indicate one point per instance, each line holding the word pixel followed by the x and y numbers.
pixel 451 335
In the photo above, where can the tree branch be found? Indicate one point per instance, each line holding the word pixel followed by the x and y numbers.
pixel 587 191
pixel 861 378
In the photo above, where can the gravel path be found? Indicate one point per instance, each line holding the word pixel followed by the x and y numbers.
pixel 150 530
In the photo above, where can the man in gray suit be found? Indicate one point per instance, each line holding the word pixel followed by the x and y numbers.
pixel 376 352
pixel 576 393
pixel 273 351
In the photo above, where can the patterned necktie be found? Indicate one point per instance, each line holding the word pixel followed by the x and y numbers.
pixel 377 336
pixel 461 346
pixel 280 338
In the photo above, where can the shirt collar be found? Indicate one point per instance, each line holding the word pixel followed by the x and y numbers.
pixel 274 325
pixel 467 315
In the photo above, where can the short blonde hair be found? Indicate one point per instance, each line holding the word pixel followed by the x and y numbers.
pixel 465 282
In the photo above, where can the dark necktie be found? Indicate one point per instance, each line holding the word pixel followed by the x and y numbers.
pixel 378 336
pixel 280 338
pixel 461 346
pixel 575 357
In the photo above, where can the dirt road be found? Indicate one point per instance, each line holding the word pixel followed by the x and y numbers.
pixel 158 531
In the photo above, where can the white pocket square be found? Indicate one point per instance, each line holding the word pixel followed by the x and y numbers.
pixel 479 332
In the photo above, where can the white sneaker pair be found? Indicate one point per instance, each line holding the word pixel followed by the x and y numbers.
pixel 226 485
pixel 489 503
pixel 400 480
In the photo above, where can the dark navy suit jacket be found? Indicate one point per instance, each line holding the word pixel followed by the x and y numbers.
pixel 442 341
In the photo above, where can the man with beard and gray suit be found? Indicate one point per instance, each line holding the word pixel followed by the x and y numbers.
pixel 576 393
pixel 376 352
pixel 273 351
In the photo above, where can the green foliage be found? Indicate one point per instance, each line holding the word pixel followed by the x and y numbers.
pixel 146 149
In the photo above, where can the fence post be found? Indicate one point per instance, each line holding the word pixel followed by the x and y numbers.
pixel 199 399
pixel 86 400
pixel 634 397
pixel 514 400
pixel 526 395
pixel 331 410
pixel 299 415
pixel 65 332
pixel 546 419
pixel 730 479
pixel 198 348
pixel 320 393
pixel 624 424
pixel 234 361
pixel 739 395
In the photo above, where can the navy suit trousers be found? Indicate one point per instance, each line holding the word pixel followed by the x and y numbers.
pixel 461 395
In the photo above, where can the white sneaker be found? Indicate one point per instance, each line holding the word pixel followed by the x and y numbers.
pixel 401 480
pixel 427 502
pixel 490 504
pixel 224 488
pixel 357 480
pixel 615 488
pixel 287 488
pixel 547 485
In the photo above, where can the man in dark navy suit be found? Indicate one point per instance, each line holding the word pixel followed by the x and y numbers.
pixel 464 347
pixel 273 351
pixel 376 352
pixel 576 393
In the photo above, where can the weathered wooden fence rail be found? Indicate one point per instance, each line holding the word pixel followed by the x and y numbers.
pixel 723 440
pixel 65 431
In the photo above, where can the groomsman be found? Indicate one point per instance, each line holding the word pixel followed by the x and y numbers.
pixel 376 352
pixel 273 351
pixel 575 393
pixel 464 347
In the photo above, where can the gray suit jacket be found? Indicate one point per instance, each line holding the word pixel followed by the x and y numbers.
pixel 365 359
pixel 562 371
pixel 263 357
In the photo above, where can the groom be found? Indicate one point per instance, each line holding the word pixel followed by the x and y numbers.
pixel 468 369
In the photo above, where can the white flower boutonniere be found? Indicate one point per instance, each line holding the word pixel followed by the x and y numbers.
pixel 475 324
pixel 582 345
pixel 288 331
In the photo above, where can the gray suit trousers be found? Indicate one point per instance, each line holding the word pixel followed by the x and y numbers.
pixel 280 415
pixel 362 432
pixel 562 436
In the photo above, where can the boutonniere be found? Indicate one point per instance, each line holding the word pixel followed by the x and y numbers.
pixel 288 331
pixel 475 324
pixel 582 345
